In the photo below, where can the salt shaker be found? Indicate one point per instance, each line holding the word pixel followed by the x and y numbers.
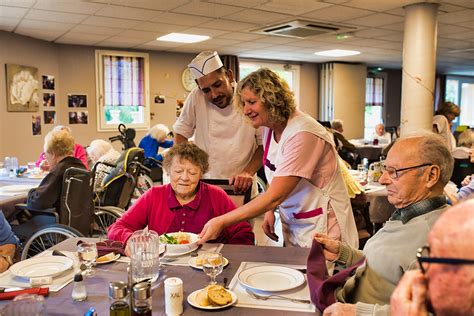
pixel 173 296
pixel 79 292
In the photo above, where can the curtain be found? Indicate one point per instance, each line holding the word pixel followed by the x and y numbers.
pixel 374 91
pixel 232 62
pixel 326 110
pixel 124 81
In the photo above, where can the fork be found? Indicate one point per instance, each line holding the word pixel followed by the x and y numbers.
pixel 276 297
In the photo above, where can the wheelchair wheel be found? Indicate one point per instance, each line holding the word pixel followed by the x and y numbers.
pixel 261 185
pixel 144 183
pixel 47 237
pixel 106 216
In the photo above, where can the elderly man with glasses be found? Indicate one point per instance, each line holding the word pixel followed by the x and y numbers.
pixel 415 172
pixel 444 285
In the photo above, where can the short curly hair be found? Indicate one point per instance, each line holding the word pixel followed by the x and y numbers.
pixel 60 143
pixel 187 151
pixel 272 90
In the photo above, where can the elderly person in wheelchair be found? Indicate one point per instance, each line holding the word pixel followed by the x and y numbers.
pixel 101 151
pixel 185 204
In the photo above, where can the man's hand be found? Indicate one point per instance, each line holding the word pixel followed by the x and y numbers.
pixel 211 230
pixel 409 297
pixel 340 309
pixel 242 182
pixel 269 225
pixel 330 246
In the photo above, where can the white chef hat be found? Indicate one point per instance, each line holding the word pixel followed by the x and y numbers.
pixel 205 63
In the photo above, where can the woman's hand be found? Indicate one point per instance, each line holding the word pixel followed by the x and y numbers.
pixel 330 246
pixel 269 225
pixel 211 230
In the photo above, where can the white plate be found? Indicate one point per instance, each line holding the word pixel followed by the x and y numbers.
pixel 41 266
pixel 271 278
pixel 192 263
pixel 178 250
pixel 192 301
pixel 17 188
pixel 117 256
pixel 172 254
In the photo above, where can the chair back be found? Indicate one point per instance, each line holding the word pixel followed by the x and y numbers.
pixel 238 198
pixel 76 200
pixel 462 168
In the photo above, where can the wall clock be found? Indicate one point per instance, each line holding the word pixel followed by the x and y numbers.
pixel 188 80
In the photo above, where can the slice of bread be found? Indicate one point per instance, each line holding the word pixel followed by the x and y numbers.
pixel 105 258
pixel 202 298
pixel 218 295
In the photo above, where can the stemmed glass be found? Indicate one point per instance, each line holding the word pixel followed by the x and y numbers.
pixel 87 252
pixel 213 264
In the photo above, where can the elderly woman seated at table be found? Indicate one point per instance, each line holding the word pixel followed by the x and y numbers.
pixel 101 151
pixel 186 204
pixel 58 149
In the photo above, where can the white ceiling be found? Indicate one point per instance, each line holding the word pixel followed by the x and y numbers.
pixel 135 24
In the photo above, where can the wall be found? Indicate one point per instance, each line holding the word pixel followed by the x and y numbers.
pixel 349 98
pixel 74 70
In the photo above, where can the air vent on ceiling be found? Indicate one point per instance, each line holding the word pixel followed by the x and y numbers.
pixel 302 29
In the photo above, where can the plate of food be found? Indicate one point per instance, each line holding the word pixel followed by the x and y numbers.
pixel 198 262
pixel 179 243
pixel 212 297
pixel 110 257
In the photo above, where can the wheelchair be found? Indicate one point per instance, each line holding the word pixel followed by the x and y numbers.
pixel 39 230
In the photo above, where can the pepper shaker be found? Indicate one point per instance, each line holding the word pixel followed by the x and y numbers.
pixel 173 296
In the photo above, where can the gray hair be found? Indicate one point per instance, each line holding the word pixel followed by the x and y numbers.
pixel 466 139
pixel 62 128
pixel 159 132
pixel 337 124
pixel 187 151
pixel 432 149
pixel 98 148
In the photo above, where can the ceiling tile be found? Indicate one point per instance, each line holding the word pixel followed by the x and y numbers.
pixel 456 17
pixel 463 3
pixel 212 10
pixel 180 19
pixel 222 42
pixel 397 37
pixel 61 17
pixel 258 16
pixel 295 7
pixel 373 32
pixel 8 24
pixel 242 36
pixel 127 13
pixel 379 6
pixel 469 36
pixel 148 36
pixel 45 25
pixel 204 31
pixel 161 5
pixel 12 12
pixel 337 13
pixel 239 3
pixel 395 27
pixel 271 39
pixel 80 38
pixel 228 25
pixel 114 44
pixel 159 27
pixel 123 39
pixel 18 3
pixel 109 22
pixel 96 30
pixel 156 43
pixel 378 19
pixel 454 44
pixel 43 34
pixel 72 6
pixel 446 29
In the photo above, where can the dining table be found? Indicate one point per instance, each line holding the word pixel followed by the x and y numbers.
pixel 61 303
pixel 8 199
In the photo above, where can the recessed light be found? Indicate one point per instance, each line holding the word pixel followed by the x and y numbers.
pixel 337 53
pixel 183 38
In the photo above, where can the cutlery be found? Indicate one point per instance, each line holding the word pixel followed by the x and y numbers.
pixel 225 283
pixel 276 297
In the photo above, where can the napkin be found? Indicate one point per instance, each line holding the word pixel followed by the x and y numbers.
pixel 322 288
pixel 12 294
pixel 108 246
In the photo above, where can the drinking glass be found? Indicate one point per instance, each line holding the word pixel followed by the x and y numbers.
pixel 87 252
pixel 212 265
pixel 144 246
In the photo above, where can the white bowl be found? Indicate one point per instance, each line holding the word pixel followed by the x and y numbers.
pixel 182 248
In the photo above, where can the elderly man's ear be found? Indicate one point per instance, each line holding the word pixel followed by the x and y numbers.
pixel 433 176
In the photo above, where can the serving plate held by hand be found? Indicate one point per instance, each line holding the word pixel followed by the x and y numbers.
pixel 192 301
pixel 271 278
pixel 181 249
pixel 41 267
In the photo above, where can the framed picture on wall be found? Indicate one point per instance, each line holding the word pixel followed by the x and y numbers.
pixel 22 88
pixel 78 117
pixel 49 117
pixel 48 82
pixel 48 99
pixel 36 124
pixel 77 100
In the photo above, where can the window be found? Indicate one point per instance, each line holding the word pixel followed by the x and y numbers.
pixel 374 101
pixel 290 73
pixel 122 90
pixel 460 91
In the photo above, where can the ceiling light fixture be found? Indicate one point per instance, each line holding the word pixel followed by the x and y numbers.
pixel 337 53
pixel 343 36
pixel 183 38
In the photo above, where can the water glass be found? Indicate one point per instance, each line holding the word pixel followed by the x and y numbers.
pixel 87 252
pixel 213 263
pixel 144 247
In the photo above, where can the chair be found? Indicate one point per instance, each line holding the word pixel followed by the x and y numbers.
pixel 42 229
pixel 462 168
pixel 238 198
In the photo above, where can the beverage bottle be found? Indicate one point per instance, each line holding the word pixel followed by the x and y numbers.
pixel 118 295
pixel 141 303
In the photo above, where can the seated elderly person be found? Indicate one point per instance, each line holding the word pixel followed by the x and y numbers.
pixel 186 204
pixel 78 151
pixel 101 151
pixel 58 149
pixel 381 135
pixel 154 139
pixel 415 172
pixel 465 145
pixel 444 285
pixel 8 243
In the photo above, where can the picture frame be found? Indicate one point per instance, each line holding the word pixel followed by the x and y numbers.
pixel 22 88
pixel 77 100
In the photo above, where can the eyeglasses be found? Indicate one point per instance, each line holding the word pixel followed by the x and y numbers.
pixel 424 259
pixel 394 173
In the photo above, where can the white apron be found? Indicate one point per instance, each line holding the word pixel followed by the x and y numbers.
pixel 305 210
